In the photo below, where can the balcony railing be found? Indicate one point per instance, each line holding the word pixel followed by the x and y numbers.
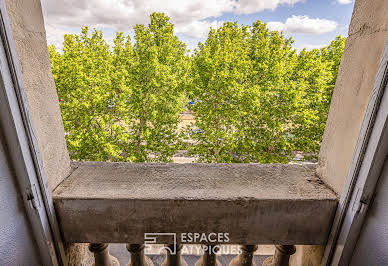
pixel 285 205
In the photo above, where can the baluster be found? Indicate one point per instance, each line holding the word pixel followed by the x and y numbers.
pixel 102 256
pixel 137 256
pixel 174 259
pixel 246 256
pixel 281 257
pixel 209 257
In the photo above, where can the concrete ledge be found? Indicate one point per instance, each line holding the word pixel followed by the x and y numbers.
pixel 254 203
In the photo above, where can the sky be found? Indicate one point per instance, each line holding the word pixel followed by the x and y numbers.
pixel 311 23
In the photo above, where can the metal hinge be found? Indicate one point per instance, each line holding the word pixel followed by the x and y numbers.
pixel 32 197
pixel 360 202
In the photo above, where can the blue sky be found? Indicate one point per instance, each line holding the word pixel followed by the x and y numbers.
pixel 311 23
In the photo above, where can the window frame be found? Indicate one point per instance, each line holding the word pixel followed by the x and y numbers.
pixel 23 150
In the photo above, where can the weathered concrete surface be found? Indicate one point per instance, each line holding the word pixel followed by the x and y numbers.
pixel 307 256
pixel 368 33
pixel 198 181
pixel 79 254
pixel 254 203
pixel 30 38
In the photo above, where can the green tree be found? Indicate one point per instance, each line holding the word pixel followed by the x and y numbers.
pixel 83 79
pixel 122 104
pixel 332 54
pixel 312 76
pixel 220 87
pixel 315 74
pixel 267 127
pixel 256 98
pixel 157 78
pixel 244 95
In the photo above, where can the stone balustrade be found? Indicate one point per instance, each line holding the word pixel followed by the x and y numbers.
pixel 209 257
pixel 285 205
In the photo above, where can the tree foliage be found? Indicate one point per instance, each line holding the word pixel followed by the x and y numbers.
pixel 83 79
pixel 122 104
pixel 157 74
pixel 256 99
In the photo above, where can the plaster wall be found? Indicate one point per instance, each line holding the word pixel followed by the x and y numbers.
pixel 371 247
pixel 30 37
pixel 368 33
pixel 29 33
pixel 17 246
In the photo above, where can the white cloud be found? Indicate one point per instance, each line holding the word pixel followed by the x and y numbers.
pixel 190 17
pixel 124 14
pixel 253 6
pixel 309 47
pixel 275 25
pixel 198 29
pixel 55 34
pixel 304 25
pixel 344 2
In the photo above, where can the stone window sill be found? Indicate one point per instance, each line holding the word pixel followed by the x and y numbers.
pixel 103 202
